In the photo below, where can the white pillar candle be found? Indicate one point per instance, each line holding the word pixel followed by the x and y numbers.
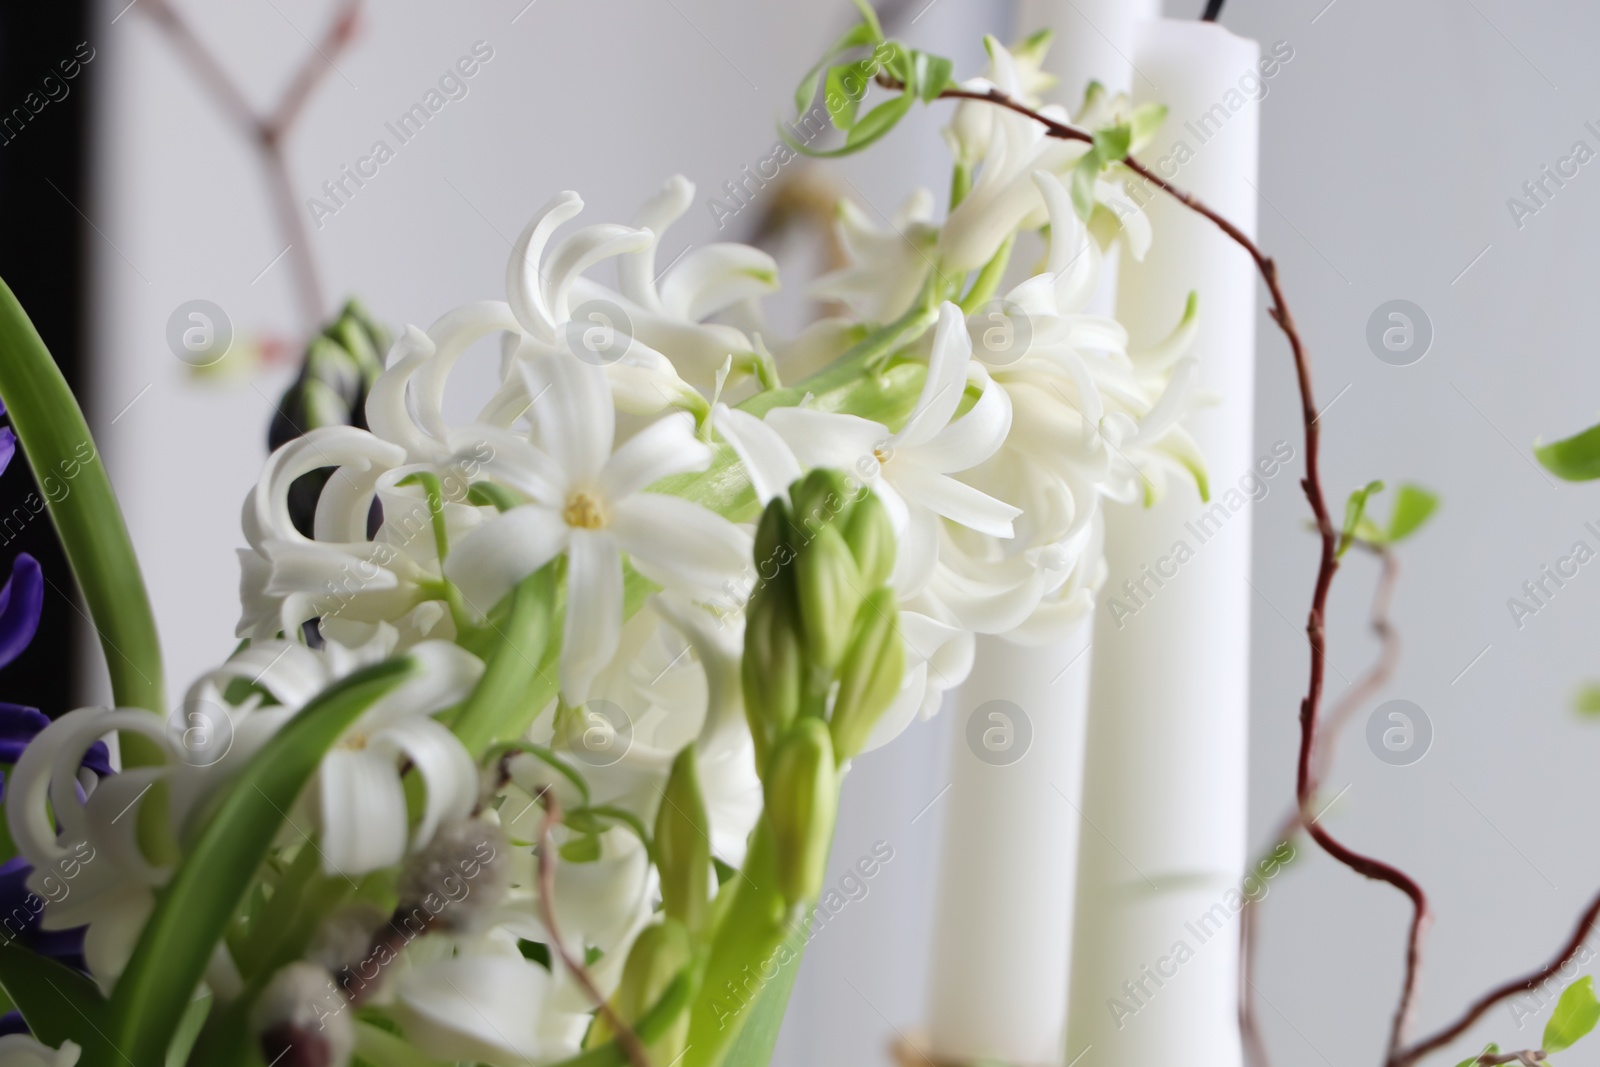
pixel 1155 960
pixel 1004 911
pixel 1093 41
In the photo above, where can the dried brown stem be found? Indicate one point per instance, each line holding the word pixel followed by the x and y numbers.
pixel 1328 564
pixel 629 1041
pixel 268 131
pixel 1365 688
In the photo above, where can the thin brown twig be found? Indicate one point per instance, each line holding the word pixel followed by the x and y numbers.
pixel 629 1041
pixel 1328 564
pixel 1365 688
pixel 268 131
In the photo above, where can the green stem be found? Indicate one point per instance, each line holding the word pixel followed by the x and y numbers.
pixel 69 471
pixel 513 680
pixel 749 943
pixel 989 278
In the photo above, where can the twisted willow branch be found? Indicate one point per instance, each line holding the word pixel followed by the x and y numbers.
pixel 268 131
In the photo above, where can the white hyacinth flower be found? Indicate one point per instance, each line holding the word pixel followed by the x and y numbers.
pixel 911 469
pixel 587 502
pixel 888 264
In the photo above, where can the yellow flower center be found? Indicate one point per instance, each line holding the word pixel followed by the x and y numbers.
pixel 583 512
pixel 355 741
pixel 881 455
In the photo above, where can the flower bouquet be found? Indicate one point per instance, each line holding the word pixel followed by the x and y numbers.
pixel 531 749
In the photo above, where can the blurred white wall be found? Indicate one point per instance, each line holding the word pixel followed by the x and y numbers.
pixel 1390 145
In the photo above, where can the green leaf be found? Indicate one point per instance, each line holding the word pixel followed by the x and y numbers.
pixel 194 909
pixel 869 21
pixel 1488 1050
pixel 1413 506
pixel 862 33
pixel 1084 175
pixel 1147 119
pixel 1588 701
pixel 57 1002
pixel 71 476
pixel 1111 143
pixel 1576 1013
pixel 879 121
pixel 1576 458
pixel 841 103
pixel 1355 510
pixel 936 76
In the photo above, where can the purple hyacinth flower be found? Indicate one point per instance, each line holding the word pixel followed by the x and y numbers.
pixel 21 601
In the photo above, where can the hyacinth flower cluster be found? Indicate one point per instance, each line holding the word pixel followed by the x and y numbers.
pixel 533 744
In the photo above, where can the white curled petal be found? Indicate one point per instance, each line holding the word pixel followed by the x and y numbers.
pixel 482 1009
pixel 1170 407
pixel 972 438
pixel 636 272
pixel 576 254
pixel 388 416
pixel 328 446
pixel 524 287
pixel 715 277
pixel 363 812
pixel 767 458
pixel 446 767
pixel 502 552
pixel 956 501
pixel 830 439
pixel 290 671
pixel 947 379
pixel 667 446
pixel 446 674
pixel 679 544
pixel 453 333
pixel 593 624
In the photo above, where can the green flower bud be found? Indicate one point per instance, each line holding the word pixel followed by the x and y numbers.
pixel 773 669
pixel 870 676
pixel 819 499
pixel 870 535
pixel 683 844
pixel 802 799
pixel 331 390
pixel 659 954
pixel 773 547
pixel 830 589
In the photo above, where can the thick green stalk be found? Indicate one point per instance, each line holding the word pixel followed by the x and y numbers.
pixel 751 951
pixel 67 466
pixel 514 679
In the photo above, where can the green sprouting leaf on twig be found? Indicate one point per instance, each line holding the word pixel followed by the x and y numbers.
pixel 1355 510
pixel 879 121
pixel 869 19
pixel 1587 702
pixel 1147 119
pixel 842 93
pixel 1413 506
pixel 1488 1050
pixel 937 75
pixel 1111 144
pixel 1576 1014
pixel 1575 459
pixel 855 37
